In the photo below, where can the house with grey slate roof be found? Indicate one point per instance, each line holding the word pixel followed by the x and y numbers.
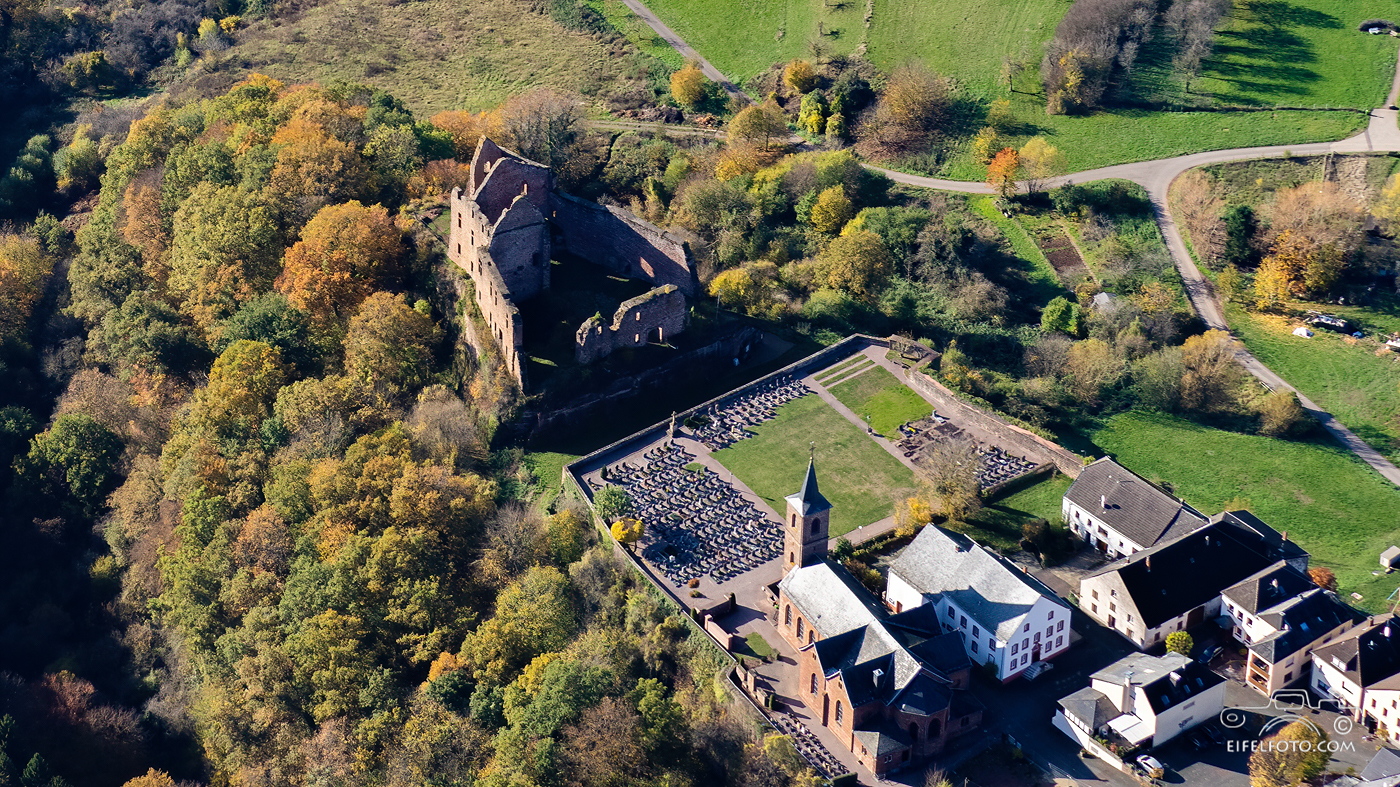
pixel 893 688
pixel 1360 671
pixel 1279 614
pixel 1177 585
pixel 1004 616
pixel 1119 512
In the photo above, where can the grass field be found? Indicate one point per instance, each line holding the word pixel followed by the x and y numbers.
pixel 548 471
pixel 1356 381
pixel 1327 501
pixel 998 524
pixel 1304 53
pixel 860 478
pixel 437 54
pixel 1123 135
pixel 882 400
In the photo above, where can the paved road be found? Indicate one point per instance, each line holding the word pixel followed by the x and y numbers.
pixel 669 36
pixel 1382 134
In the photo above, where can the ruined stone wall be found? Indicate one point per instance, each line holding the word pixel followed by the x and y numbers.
pixel 497 307
pixel 624 244
pixel 652 317
pixel 509 178
pixel 520 247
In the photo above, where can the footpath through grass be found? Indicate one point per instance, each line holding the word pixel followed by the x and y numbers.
pixel 860 478
pixel 882 400
pixel 1323 497
pixel 1358 381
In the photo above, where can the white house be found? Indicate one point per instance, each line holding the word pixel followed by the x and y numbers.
pixel 1360 671
pixel 1177 584
pixel 1279 614
pixel 1006 617
pixel 1142 700
pixel 1119 513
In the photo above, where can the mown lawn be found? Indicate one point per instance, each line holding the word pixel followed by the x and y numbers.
pixel 1356 381
pixel 860 478
pixel 998 524
pixel 547 468
pixel 882 400
pixel 742 38
pixel 1308 53
pixel 1123 135
pixel 1323 497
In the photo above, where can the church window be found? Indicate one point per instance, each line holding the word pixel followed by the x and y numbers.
pixel 839 714
pixel 815 522
pixel 814 683
pixel 787 616
pixel 799 628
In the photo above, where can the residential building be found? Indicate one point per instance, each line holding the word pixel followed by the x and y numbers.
pixel 1118 512
pixel 1279 614
pixel 1142 700
pixel 1004 616
pixel 1360 671
pixel 891 688
pixel 1177 584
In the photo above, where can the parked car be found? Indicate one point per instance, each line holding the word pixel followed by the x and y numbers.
pixel 1208 655
pixel 1151 766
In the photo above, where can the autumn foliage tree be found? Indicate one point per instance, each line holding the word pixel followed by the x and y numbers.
pixel 24 268
pixel 688 85
pixel 345 253
pixel 1004 171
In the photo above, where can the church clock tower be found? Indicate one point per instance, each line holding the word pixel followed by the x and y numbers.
pixel 808 524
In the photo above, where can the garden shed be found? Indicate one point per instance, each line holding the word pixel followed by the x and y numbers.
pixel 1390 558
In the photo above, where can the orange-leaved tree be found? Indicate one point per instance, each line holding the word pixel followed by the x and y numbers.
pixel 344 253
pixel 1003 171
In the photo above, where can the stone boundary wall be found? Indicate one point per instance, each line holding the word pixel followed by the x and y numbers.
pixel 1031 446
pixel 615 239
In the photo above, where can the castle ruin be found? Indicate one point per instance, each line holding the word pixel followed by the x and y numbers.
pixel 507 225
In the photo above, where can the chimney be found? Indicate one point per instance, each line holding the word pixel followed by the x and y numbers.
pixel 1285 535
pixel 1148 562
pixel 1103 502
pixel 877 674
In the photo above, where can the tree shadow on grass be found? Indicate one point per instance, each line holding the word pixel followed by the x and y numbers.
pixel 1265 60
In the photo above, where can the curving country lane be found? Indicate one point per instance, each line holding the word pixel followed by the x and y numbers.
pixel 1381 135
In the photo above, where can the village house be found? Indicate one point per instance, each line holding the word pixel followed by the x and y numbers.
pixel 1360 671
pixel 1177 584
pixel 1279 614
pixel 1005 617
pixel 1141 700
pixel 893 689
pixel 1118 512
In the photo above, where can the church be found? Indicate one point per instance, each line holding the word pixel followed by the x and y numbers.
pixel 892 688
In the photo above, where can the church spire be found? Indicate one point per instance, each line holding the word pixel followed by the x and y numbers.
pixel 810 500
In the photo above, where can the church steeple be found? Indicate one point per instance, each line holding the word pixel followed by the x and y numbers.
pixel 808 523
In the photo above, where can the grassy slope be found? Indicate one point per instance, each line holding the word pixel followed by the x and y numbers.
pixel 1042 276
pixel 1124 135
pixel 860 479
pixel 437 54
pixel 1327 501
pixel 742 38
pixel 998 524
pixel 1307 53
pixel 1349 379
pixel 882 400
